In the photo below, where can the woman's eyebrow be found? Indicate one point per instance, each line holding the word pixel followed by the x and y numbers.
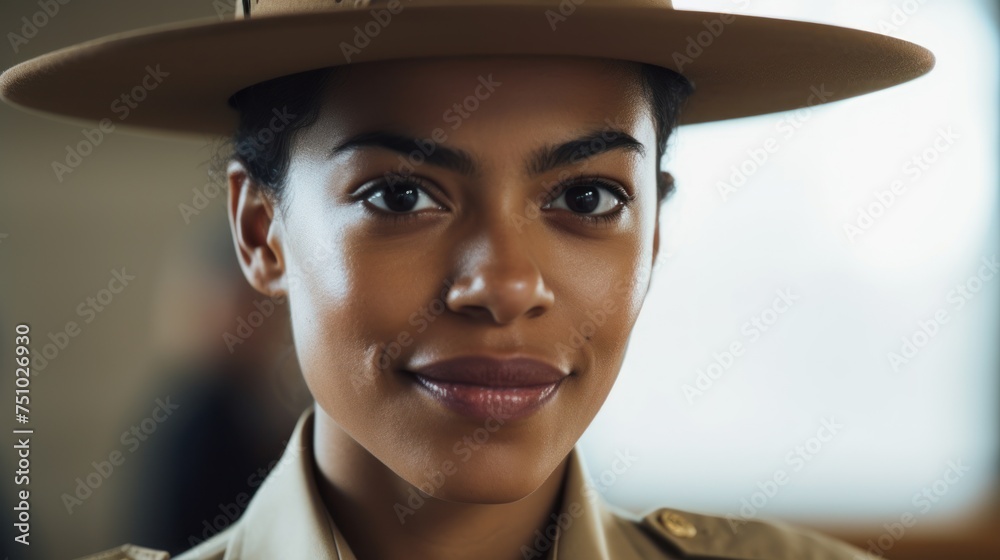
pixel 544 159
pixel 589 145
pixel 448 158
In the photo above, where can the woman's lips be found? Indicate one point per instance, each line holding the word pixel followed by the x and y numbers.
pixel 486 387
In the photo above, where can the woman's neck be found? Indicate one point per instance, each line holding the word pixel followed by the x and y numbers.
pixel 377 513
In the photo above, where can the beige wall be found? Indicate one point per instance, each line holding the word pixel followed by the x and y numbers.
pixel 117 209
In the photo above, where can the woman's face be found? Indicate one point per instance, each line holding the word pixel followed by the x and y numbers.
pixel 505 237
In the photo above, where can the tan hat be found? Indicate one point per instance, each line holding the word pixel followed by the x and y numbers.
pixel 179 77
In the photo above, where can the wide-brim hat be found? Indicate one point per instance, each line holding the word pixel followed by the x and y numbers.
pixel 179 77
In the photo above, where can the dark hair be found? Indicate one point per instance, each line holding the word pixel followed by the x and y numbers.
pixel 265 148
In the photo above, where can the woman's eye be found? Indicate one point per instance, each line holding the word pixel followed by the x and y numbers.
pixel 401 197
pixel 588 198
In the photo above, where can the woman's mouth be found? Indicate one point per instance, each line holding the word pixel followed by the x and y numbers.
pixel 484 387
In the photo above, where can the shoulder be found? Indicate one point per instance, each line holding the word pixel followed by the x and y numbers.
pixel 698 535
pixel 214 548
pixel 127 552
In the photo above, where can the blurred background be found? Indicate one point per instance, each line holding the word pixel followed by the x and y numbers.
pixel 865 393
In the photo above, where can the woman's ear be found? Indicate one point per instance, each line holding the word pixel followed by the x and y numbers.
pixel 664 188
pixel 664 185
pixel 256 232
pixel 656 237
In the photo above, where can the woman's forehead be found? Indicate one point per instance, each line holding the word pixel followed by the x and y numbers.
pixel 468 97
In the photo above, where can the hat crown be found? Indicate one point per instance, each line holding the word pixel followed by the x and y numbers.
pixel 256 8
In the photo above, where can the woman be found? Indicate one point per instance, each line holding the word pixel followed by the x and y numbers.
pixel 464 244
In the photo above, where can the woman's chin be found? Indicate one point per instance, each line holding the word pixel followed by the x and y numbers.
pixel 486 490
pixel 489 476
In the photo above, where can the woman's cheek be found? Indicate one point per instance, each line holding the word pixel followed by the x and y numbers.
pixel 319 296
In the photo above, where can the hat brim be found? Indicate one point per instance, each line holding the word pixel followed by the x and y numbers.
pixel 754 66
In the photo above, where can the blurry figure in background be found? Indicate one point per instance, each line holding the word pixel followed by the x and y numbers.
pixel 234 403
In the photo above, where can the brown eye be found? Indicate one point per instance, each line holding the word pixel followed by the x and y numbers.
pixel 588 198
pixel 583 199
pixel 401 197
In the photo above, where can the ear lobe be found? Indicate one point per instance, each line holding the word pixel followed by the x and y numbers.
pixel 255 232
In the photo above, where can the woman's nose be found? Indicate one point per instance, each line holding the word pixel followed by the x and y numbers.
pixel 498 278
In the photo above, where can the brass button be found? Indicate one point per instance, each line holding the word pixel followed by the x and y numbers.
pixel 677 525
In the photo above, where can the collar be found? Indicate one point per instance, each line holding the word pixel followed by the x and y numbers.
pixel 287 518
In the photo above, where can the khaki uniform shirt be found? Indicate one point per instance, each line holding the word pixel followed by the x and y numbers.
pixel 287 520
